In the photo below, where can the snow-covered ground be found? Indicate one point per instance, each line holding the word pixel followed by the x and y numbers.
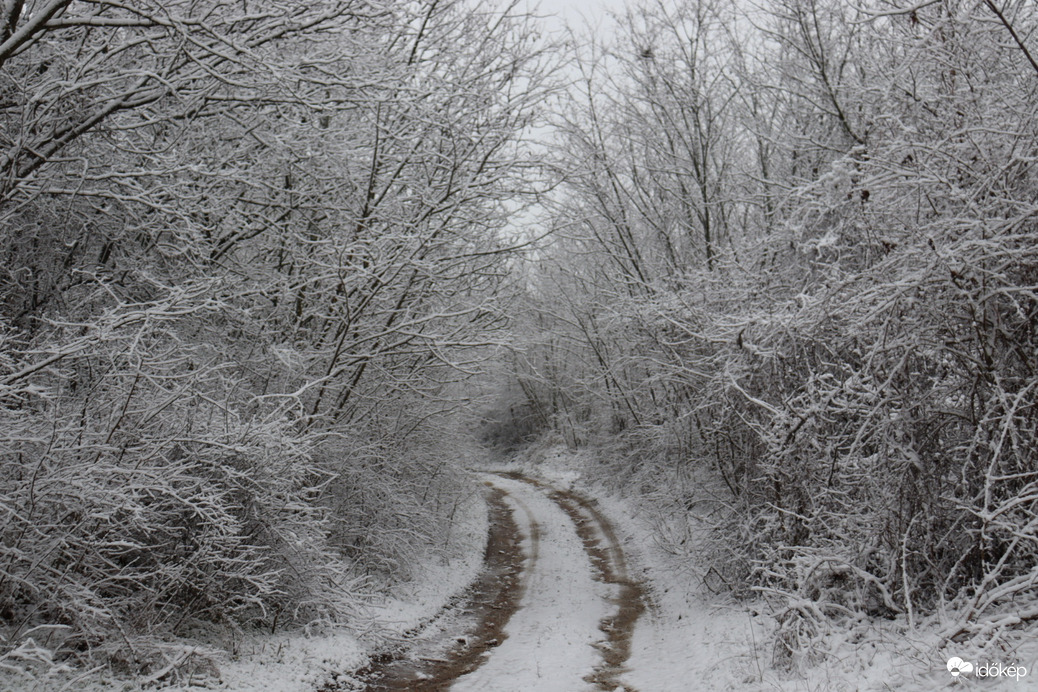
pixel 550 643
pixel 692 639
pixel 683 640
pixel 687 638
pixel 304 661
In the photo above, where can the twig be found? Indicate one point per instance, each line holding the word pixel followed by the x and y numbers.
pixel 1012 32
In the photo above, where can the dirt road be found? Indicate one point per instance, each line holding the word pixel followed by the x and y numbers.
pixel 553 609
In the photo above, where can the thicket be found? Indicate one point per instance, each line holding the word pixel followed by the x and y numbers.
pixel 248 250
pixel 798 249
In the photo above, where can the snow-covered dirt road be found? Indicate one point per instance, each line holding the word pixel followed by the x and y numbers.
pixel 555 616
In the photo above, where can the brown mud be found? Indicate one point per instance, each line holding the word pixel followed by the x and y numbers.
pixel 493 598
pixel 486 605
pixel 609 566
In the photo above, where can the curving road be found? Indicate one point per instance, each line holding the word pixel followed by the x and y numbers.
pixel 553 610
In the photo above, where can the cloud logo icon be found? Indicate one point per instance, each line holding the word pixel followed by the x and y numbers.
pixel 956 666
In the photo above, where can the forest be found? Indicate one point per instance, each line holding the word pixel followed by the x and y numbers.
pixel 276 274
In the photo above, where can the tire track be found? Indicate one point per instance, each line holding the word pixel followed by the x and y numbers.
pixel 610 566
pixel 431 665
pixel 487 605
pixel 553 636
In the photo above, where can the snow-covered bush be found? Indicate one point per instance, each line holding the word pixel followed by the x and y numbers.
pixel 158 505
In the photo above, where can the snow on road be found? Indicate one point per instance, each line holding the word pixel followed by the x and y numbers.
pixel 552 638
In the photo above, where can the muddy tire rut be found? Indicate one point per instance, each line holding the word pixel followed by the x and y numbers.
pixel 610 566
pixel 483 611
pixel 486 605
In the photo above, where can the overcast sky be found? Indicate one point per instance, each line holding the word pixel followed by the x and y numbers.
pixel 577 12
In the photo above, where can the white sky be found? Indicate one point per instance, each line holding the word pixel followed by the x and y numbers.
pixel 577 13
